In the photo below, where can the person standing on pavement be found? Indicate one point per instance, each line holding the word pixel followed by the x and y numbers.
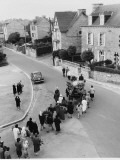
pixel 16 132
pixel 35 128
pixel 30 125
pixel 63 71
pixel 50 122
pixel 84 105
pixel 92 92
pixel 25 149
pixel 17 99
pixel 67 69
pixel 57 122
pixel 79 110
pixel 42 120
pixel 56 94
pixel 70 109
pixel 36 143
pixel 88 99
pixel 21 87
pixel 18 88
pixel 18 145
pixel 14 89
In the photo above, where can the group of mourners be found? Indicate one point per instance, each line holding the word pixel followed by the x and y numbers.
pixel 67 105
pixel 17 90
pixel 24 136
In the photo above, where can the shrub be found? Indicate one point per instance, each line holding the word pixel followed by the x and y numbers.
pixel 111 66
pixel 63 54
pixel 108 62
pixel 87 56
pixel 106 70
pixel 94 64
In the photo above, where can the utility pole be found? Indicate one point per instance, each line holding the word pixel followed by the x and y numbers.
pixel 25 36
pixel 116 59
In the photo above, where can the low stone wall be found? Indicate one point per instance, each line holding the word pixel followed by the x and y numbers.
pixel 106 77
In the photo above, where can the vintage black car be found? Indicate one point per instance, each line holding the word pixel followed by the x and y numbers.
pixel 37 77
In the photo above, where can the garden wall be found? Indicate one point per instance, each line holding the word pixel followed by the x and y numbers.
pixel 106 77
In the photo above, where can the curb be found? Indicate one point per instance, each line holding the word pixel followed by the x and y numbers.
pixel 26 113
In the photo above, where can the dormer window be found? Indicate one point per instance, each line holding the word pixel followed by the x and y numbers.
pixel 102 20
pixel 90 20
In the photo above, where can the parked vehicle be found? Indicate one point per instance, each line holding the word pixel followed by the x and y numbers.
pixel 37 77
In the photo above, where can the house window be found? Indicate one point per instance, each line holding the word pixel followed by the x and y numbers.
pixel 101 55
pixel 102 39
pixel 90 38
pixel 33 35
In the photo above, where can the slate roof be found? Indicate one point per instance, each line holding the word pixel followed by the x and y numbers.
pixel 64 19
pixel 113 10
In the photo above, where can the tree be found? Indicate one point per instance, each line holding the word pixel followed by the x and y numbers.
pixel 14 37
pixel 71 51
pixel 63 54
pixel 87 56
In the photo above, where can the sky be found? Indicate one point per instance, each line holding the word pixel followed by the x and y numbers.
pixel 29 9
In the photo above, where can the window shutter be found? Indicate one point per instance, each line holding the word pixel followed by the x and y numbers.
pixel 87 38
pixel 92 38
pixel 98 57
pixel 104 40
pixel 99 39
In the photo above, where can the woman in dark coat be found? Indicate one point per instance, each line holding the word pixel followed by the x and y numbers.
pixel 17 99
pixel 36 143
pixel 42 120
pixel 14 89
pixel 70 110
pixel 18 145
pixel 57 122
pixel 56 95
pixel 35 128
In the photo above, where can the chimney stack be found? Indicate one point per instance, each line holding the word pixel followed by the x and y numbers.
pixel 96 6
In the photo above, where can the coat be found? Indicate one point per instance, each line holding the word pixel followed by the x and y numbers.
pixel 57 122
pixel 36 144
pixel 70 108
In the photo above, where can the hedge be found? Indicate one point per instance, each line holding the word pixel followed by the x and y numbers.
pixel 43 50
pixel 106 70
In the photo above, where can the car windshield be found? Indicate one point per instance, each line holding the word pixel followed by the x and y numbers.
pixel 38 74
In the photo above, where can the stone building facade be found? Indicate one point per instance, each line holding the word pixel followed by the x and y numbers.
pixel 102 33
pixel 67 31
pixel 39 28
pixel 14 26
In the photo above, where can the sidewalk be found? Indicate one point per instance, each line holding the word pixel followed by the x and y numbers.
pixel 8 111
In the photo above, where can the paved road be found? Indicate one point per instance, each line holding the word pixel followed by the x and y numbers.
pixel 101 122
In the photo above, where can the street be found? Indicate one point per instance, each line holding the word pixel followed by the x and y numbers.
pixel 101 122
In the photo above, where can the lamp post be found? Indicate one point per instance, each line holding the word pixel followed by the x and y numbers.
pixel 116 59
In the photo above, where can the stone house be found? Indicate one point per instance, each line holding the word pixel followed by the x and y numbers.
pixel 1 34
pixel 14 26
pixel 66 29
pixel 102 33
pixel 39 28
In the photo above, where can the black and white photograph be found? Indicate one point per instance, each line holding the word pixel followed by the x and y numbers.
pixel 59 79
